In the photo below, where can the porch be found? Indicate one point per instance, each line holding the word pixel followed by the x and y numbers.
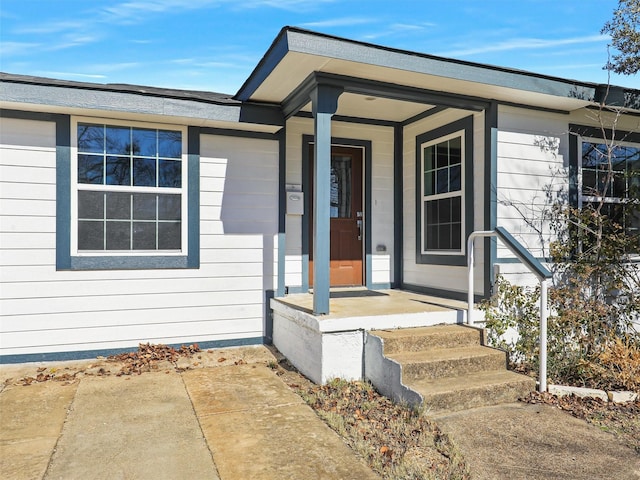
pixel 333 345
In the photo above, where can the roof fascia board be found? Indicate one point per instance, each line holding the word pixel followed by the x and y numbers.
pixel 533 107
pixel 276 52
pixel 615 110
pixel 261 114
pixel 332 47
pixel 70 97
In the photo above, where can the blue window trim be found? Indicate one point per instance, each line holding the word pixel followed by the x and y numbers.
pixel 465 124
pixel 64 259
pixel 575 156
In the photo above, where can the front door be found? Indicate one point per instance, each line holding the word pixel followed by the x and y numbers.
pixel 346 223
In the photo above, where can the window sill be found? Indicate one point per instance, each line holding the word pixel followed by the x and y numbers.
pixel 451 259
pixel 129 262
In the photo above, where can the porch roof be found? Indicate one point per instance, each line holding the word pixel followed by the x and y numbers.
pixel 297 55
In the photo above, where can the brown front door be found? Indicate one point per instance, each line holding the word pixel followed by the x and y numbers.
pixel 346 223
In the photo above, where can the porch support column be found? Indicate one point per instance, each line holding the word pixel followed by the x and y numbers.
pixel 324 99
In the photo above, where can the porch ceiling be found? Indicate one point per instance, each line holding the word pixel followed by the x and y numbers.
pixel 297 54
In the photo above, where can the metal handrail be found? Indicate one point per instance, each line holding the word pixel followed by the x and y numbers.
pixel 536 268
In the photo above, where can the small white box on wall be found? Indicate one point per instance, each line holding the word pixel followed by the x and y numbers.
pixel 295 200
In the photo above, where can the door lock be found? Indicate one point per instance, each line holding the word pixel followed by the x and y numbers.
pixel 359 223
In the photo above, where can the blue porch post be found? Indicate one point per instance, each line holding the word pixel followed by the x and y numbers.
pixel 324 100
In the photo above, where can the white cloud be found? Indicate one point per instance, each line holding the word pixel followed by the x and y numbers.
pixel 396 29
pixel 524 44
pixel 71 74
pixel 52 27
pixel 17 48
pixel 70 41
pixel 570 66
pixel 137 10
pixel 290 5
pixel 113 67
pixel 338 22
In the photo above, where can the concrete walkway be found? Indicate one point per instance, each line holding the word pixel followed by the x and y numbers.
pixel 231 418
pixel 234 422
pixel 537 442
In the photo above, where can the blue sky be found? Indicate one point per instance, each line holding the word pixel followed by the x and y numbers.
pixel 214 44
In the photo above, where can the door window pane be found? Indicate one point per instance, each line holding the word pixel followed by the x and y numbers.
pixel 340 189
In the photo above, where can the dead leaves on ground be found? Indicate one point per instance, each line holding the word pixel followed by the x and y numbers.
pixel 53 375
pixel 392 438
pixel 148 357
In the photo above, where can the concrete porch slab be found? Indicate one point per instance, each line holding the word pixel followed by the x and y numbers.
pixel 323 347
pixel 353 309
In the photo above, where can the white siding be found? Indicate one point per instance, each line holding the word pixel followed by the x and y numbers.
pixel 532 175
pixel 381 194
pixel 443 277
pixel 533 161
pixel 44 310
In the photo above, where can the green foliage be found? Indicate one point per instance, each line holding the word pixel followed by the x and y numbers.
pixel 625 37
pixel 513 322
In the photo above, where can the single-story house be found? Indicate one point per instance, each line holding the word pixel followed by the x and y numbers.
pixel 136 214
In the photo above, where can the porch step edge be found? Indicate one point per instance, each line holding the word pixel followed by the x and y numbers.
pixel 470 391
pixel 443 363
pixel 427 338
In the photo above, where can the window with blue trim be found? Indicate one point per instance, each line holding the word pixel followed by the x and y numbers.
pixel 610 183
pixel 132 200
pixel 444 193
pixel 129 188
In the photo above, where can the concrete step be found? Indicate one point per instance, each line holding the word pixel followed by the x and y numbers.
pixel 479 389
pixel 424 338
pixel 449 362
